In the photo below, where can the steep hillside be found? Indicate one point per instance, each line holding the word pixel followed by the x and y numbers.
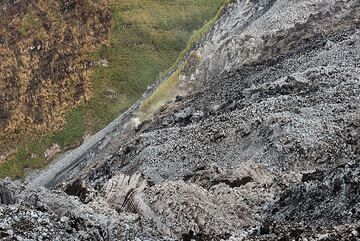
pixel 148 37
pixel 254 136
pixel 71 67
pixel 44 48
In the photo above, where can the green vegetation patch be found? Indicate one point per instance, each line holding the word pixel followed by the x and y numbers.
pixel 31 156
pixel 29 22
pixel 148 36
pixel 164 93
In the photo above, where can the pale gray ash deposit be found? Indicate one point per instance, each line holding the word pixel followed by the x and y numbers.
pixel 265 145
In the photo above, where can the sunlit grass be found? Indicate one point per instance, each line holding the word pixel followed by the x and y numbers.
pixel 164 93
pixel 148 36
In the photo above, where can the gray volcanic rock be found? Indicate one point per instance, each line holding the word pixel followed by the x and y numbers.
pixel 265 146
pixel 324 197
pixel 5 196
pixel 43 215
pixel 273 230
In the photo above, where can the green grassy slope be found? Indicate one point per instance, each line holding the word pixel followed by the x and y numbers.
pixel 148 36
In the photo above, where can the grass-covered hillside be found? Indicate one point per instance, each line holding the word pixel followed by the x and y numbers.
pixel 148 36
pixel 146 39
pixel 45 70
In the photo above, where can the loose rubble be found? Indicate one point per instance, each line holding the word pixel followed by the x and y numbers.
pixel 266 146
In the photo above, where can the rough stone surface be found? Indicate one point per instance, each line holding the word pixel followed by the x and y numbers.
pixel 264 147
pixel 5 196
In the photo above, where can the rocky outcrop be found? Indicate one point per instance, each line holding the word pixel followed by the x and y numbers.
pixel 323 197
pixel 265 146
pixel 44 67
pixel 273 230
pixel 5 196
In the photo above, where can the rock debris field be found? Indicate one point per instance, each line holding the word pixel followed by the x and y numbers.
pixel 266 146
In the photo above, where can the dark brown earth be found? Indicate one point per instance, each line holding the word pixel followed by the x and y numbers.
pixel 44 67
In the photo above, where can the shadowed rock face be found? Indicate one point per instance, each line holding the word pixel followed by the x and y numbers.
pixel 329 197
pixel 266 147
pixel 44 67
pixel 6 197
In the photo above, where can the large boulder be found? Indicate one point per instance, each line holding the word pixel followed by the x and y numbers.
pixel 6 196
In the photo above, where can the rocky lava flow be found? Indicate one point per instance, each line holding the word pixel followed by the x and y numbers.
pixel 266 147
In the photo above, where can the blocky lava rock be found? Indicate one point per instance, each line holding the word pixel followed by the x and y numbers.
pixel 265 147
